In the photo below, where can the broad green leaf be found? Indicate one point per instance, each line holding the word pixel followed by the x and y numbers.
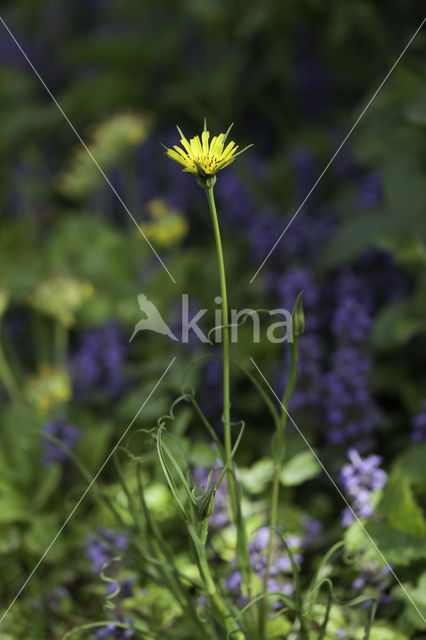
pixel 396 546
pixel 49 481
pixel 396 324
pixel 256 478
pixel 384 632
pixel 302 467
pixel 411 465
pixel 418 596
pixel 400 507
pixel 357 233
pixel 41 533
pixel 415 112
pixel 277 627
pixel 202 454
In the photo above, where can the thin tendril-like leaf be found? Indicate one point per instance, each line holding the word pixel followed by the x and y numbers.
pixel 370 618
pixel 290 605
pixel 208 426
pixel 265 396
pixel 179 472
pixel 109 604
pixel 167 474
pixel 315 583
pixel 104 623
pixel 327 609
pixel 241 321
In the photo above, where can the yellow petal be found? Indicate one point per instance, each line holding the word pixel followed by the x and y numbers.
pixel 184 142
pixel 181 152
pixel 196 147
pixel 228 148
pixel 215 142
pixel 177 158
pixel 205 138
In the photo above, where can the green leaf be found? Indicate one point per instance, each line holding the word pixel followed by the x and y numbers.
pixel 357 233
pixel 396 546
pixel 411 464
pixel 41 533
pixel 383 632
pixel 396 324
pixel 415 112
pixel 96 444
pixel 49 481
pixel 202 454
pixel 256 478
pixel 418 596
pixel 400 507
pixel 302 467
pixel 277 627
pixel 13 505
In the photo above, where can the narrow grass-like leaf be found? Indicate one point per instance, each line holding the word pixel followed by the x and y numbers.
pixel 370 618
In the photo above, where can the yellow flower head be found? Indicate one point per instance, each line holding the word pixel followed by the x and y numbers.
pixel 204 158
pixel 166 225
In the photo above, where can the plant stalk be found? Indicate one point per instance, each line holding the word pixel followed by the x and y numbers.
pixel 243 555
pixel 278 454
pixel 7 377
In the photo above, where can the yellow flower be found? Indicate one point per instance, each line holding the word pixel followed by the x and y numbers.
pixel 48 388
pixel 203 158
pixel 166 226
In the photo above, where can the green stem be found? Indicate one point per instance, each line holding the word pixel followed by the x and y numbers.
pixel 223 615
pixel 7 377
pixel 243 556
pixel 278 451
pixel 225 323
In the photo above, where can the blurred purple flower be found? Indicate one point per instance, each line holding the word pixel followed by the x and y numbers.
pixel 351 323
pixel 291 284
pixel 234 199
pixel 351 412
pixel 234 580
pixel 280 569
pixel 67 433
pixel 309 390
pixel 371 575
pixel 370 190
pixel 304 169
pixel 124 589
pixel 418 433
pixel 97 365
pixel 264 230
pixel 359 479
pixel 104 546
pixel 114 632
pixel 312 530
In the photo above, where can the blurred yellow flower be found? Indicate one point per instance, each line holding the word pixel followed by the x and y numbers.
pixel 61 297
pixel 166 226
pixel 48 388
pixel 111 142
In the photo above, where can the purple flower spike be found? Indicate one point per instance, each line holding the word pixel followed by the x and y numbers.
pixel 359 479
